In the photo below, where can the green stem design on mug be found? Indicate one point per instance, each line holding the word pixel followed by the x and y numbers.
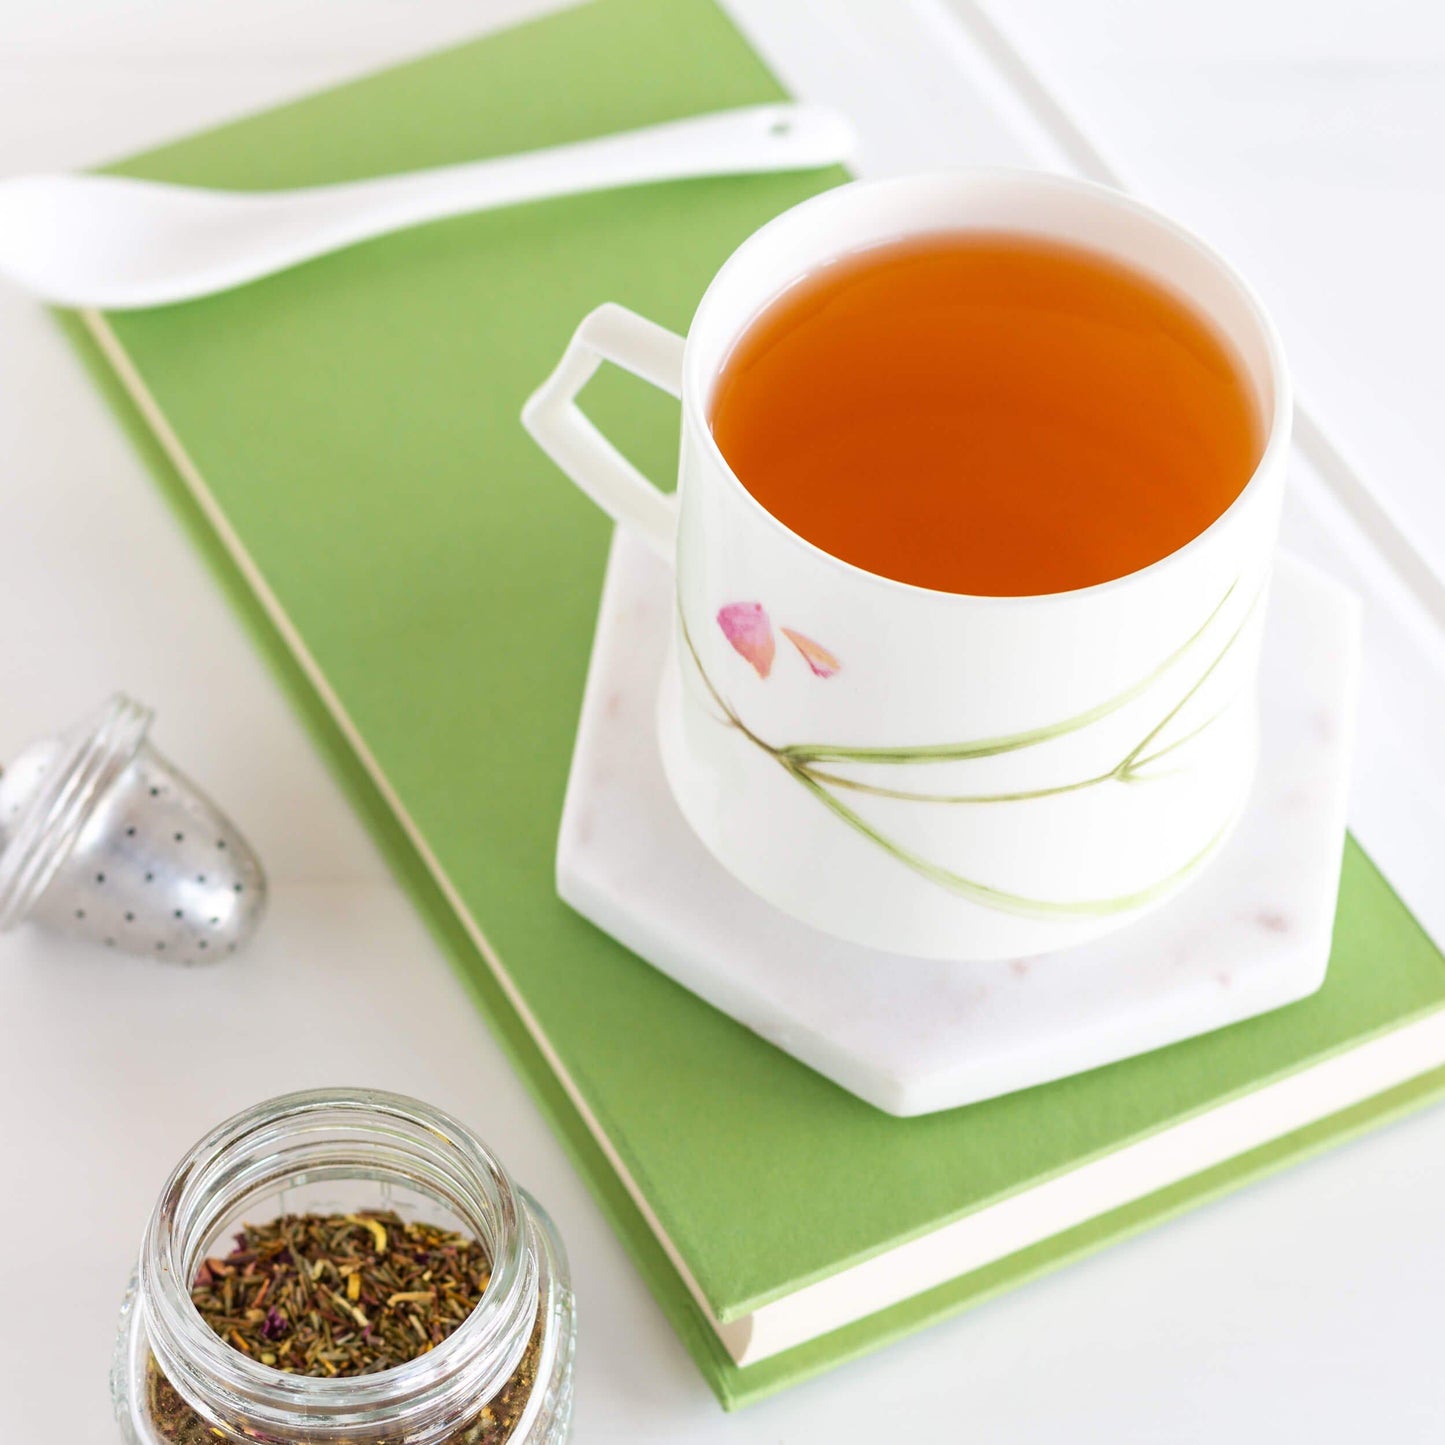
pixel 997 897
pixel 800 762
pixel 1010 742
pixel 1129 768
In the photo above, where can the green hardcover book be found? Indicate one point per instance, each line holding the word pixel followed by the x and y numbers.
pixel 343 440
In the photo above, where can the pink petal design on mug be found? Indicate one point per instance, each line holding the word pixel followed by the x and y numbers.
pixel 823 663
pixel 746 626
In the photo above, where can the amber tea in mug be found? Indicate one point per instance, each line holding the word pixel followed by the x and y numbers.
pixel 987 413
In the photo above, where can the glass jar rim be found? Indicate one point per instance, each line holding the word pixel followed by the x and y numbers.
pixel 318 1134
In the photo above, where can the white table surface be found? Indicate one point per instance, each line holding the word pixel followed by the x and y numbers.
pixel 1309 138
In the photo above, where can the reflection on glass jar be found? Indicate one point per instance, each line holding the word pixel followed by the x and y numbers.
pixel 346 1265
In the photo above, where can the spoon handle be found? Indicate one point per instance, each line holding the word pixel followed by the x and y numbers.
pixel 733 142
pixel 736 142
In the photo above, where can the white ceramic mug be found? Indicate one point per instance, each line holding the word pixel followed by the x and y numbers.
pixel 924 772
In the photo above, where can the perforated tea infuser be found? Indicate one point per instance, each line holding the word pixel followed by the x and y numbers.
pixel 101 838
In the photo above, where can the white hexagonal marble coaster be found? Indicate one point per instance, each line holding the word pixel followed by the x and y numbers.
pixel 1250 934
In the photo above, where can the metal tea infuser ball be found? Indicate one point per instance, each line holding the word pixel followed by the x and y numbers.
pixel 101 838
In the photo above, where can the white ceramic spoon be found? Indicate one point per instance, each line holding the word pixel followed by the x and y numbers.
pixel 113 243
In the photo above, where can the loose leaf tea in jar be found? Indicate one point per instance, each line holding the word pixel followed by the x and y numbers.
pixel 417 1299
pixel 338 1295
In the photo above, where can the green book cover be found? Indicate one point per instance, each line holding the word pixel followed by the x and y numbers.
pixel 343 440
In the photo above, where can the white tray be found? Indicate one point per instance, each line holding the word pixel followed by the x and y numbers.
pixel 934 83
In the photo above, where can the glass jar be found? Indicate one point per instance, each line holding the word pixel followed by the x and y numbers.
pixel 341 1152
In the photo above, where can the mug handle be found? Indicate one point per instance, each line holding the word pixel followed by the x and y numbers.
pixel 610 333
